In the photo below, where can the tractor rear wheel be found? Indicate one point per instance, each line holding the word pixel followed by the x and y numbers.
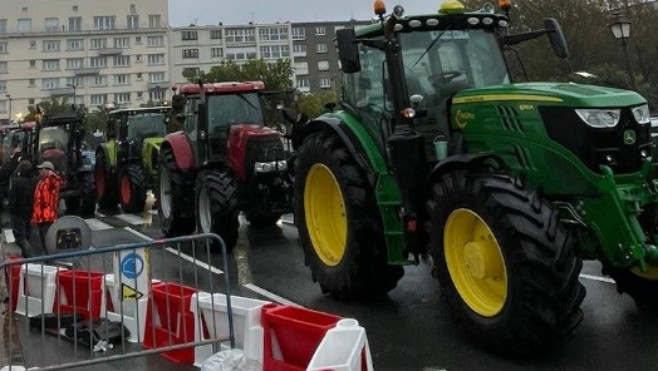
pixel 641 286
pixel 339 225
pixel 506 266
pixel 217 206
pixel 106 185
pixel 132 188
pixel 175 206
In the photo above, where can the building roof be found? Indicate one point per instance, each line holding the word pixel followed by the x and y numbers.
pixel 222 87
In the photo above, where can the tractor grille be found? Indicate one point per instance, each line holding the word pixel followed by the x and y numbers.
pixel 510 118
pixel 595 147
pixel 263 149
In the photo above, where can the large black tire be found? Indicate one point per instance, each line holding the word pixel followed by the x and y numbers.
pixel 355 264
pixel 106 184
pixel 85 204
pixel 132 188
pixel 217 206
pixel 644 290
pixel 175 199
pixel 540 306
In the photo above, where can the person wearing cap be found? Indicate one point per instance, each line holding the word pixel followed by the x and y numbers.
pixel 21 198
pixel 46 200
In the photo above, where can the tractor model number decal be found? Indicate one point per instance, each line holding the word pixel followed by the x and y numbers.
pixel 463 118
pixel 526 107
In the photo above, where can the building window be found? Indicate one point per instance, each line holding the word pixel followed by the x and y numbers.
pixel 325 82
pixel 30 101
pixel 299 48
pixel 51 64
pixel 3 85
pixel 122 79
pixel 3 106
pixel 122 98
pixel 98 99
pixel 138 40
pixel 75 8
pixel 132 22
pixel 97 43
pixel 74 44
pixel 49 84
pixel 157 95
pixel 122 61
pixel 74 63
pixel 33 44
pixel 98 62
pixel 138 58
pixel 51 24
pixel 215 34
pixel 3 67
pixel 24 25
pixel 155 41
pixel 157 77
pixel 216 52
pixel 298 33
pixel 154 21
pixel 320 31
pixel 75 24
pixel 240 56
pixel 321 48
pixel 75 81
pixel 240 35
pixel 122 42
pixel 31 83
pixel 33 63
pixel 51 46
pixel 24 9
pixel 156 59
pixel 3 48
pixel 274 51
pixel 190 53
pixel 103 23
pixel 189 35
pixel 323 65
pixel 273 34
pixel 99 80
pixel 3 26
pixel 302 82
pixel 191 71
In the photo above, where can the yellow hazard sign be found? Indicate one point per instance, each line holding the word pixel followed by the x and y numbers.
pixel 128 292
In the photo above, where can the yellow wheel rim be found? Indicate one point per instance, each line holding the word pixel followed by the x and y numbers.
pixel 650 274
pixel 475 262
pixel 324 209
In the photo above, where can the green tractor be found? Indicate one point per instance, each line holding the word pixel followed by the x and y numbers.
pixel 126 164
pixel 507 186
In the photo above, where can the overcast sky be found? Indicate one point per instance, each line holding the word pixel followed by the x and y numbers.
pixel 207 12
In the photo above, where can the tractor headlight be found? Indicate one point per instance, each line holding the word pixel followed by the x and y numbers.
pixel 282 165
pixel 600 118
pixel 641 114
pixel 268 167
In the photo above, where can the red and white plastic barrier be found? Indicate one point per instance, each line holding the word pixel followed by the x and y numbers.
pixel 36 289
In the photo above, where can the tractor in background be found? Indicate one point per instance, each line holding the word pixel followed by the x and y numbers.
pixel 507 186
pixel 226 154
pixel 126 164
pixel 13 141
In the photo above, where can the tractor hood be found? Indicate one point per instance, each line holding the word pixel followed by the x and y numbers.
pixel 564 94
pixel 155 142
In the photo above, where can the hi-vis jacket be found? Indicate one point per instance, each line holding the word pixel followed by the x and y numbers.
pixel 46 199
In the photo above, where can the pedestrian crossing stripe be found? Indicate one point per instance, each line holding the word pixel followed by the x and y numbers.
pixel 97 225
pixel 128 292
pixel 131 219
pixel 9 236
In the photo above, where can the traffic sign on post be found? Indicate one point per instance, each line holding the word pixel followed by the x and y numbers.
pixel 133 274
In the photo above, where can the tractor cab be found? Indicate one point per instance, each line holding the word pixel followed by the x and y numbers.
pixel 130 128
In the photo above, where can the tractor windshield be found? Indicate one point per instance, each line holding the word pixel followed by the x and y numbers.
pixel 53 137
pixel 438 64
pixel 232 109
pixel 147 125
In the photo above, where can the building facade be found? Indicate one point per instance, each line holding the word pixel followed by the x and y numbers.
pixel 93 52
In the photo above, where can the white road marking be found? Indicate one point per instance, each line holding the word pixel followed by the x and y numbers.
pixel 154 212
pixel 288 219
pixel 9 236
pixel 97 225
pixel 597 278
pixel 131 219
pixel 175 252
pixel 270 295
pixel 100 215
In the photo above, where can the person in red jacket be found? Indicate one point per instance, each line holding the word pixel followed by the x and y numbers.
pixel 46 200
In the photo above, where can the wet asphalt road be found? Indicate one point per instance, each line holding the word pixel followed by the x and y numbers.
pixel 410 329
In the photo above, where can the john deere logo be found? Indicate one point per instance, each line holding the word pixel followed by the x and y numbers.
pixel 463 118
pixel 629 137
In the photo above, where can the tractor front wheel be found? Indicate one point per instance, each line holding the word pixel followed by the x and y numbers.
pixel 217 206
pixel 339 225
pixel 640 285
pixel 106 187
pixel 175 206
pixel 506 265
pixel 132 188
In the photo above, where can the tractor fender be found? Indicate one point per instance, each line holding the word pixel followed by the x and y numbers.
pixel 150 152
pixel 103 152
pixel 348 138
pixel 460 161
pixel 182 149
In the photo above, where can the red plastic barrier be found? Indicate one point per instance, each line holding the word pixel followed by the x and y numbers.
pixel 297 331
pixel 13 278
pixel 79 292
pixel 172 323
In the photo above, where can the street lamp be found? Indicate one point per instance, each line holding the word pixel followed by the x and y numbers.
pixel 621 29
pixel 8 96
pixel 74 87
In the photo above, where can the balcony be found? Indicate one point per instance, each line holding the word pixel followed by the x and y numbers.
pixel 88 71
pixel 61 92
pixel 159 85
pixel 110 51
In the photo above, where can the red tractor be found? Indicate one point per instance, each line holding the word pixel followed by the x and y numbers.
pixel 223 161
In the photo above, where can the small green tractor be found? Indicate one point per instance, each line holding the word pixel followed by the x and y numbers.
pixel 507 186
pixel 126 165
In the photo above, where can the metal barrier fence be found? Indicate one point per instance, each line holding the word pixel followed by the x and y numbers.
pixel 152 291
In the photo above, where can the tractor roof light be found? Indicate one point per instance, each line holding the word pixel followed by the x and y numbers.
pixel 408 113
pixel 452 7
pixel 379 8
pixel 505 5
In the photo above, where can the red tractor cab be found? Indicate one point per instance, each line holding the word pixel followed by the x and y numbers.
pixel 228 157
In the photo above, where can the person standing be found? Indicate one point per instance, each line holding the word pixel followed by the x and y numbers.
pixel 21 198
pixel 46 200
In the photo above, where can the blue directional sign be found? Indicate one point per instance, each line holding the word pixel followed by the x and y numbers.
pixel 132 265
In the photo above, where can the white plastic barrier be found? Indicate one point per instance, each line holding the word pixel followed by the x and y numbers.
pixel 41 288
pixel 134 311
pixel 343 348
pixel 246 323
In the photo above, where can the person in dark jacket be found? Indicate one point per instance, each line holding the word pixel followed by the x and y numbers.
pixel 21 197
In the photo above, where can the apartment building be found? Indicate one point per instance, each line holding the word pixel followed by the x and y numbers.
pixel 91 51
pixel 202 47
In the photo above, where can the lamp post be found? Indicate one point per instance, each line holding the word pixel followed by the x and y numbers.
pixel 74 86
pixel 8 96
pixel 621 29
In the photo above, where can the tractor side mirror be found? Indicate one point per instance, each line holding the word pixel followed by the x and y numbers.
pixel 348 50
pixel 556 37
pixel 178 103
